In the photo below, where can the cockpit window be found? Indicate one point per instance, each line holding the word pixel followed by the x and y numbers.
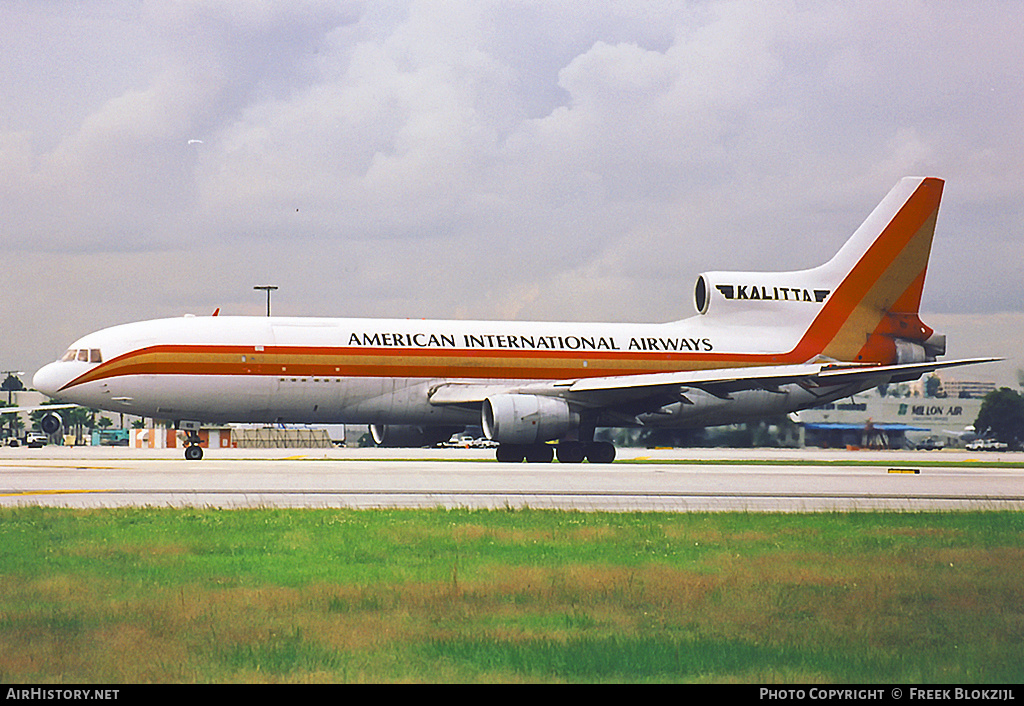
pixel 85 355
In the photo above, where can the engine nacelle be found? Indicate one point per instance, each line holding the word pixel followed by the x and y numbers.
pixel 910 352
pixel 51 423
pixel 395 436
pixel 527 419
pixel 935 345
pixel 770 293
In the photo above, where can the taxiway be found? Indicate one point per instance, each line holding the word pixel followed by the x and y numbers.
pixel 642 480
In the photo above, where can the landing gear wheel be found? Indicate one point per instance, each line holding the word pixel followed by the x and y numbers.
pixel 194 453
pixel 571 452
pixel 601 452
pixel 510 453
pixel 540 453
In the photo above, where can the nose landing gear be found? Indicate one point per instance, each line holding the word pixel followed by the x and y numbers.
pixel 193 451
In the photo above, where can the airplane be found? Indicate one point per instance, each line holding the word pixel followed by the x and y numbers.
pixel 761 344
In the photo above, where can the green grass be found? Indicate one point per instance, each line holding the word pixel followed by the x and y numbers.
pixel 137 595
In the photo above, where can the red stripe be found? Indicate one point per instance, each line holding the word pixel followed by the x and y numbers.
pixel 293 362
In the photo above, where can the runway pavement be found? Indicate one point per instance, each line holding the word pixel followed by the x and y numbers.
pixel 676 480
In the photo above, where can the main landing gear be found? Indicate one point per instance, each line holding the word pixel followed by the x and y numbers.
pixel 566 451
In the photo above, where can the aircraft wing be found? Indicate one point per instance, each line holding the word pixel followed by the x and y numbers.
pixel 35 408
pixel 719 382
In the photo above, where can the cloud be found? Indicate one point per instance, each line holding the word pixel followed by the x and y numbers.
pixel 494 159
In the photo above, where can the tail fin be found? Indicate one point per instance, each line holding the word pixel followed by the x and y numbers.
pixel 872 315
pixel 860 306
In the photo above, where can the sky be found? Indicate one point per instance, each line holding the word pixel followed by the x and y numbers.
pixel 478 159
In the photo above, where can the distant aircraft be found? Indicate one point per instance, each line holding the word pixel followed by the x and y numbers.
pixel 762 344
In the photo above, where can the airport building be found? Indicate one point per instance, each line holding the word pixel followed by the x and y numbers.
pixel 967 388
pixel 870 421
pixel 236 436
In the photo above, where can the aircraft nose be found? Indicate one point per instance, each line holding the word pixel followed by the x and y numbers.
pixel 49 379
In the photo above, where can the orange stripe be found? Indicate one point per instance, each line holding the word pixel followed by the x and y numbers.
pixel 414 363
pixel 890 274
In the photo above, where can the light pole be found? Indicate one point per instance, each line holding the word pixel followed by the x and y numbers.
pixel 268 288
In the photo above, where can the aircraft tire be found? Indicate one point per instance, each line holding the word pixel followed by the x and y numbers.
pixel 601 452
pixel 571 452
pixel 194 453
pixel 540 453
pixel 510 453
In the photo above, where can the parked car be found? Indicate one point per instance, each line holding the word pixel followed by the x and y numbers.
pixel 467 441
pixel 35 440
pixel 459 440
pixel 932 443
pixel 987 445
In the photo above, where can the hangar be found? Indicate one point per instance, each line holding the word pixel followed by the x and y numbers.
pixel 871 421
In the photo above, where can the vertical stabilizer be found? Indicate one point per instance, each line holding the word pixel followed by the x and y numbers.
pixel 860 306
pixel 872 313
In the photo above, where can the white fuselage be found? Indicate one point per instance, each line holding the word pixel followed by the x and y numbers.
pixel 312 370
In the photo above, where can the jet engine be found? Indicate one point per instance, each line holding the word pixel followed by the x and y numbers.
pixel 527 419
pixel 395 436
pixel 51 423
pixel 918 352
pixel 768 292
